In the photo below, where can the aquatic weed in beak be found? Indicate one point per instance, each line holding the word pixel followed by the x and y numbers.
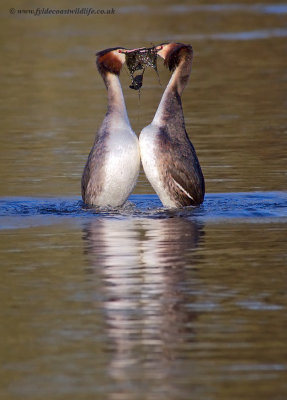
pixel 140 59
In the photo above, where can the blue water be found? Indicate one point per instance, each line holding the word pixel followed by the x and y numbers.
pixel 231 8
pixel 277 9
pixel 257 34
pixel 22 212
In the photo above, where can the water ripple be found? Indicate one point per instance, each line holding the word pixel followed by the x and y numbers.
pixel 20 212
pixel 274 9
pixel 248 8
pixel 240 36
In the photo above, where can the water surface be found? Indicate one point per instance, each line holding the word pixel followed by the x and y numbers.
pixel 143 302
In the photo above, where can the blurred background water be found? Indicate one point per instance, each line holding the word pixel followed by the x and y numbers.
pixel 143 303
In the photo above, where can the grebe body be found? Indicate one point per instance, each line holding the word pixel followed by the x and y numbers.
pixel 168 156
pixel 112 168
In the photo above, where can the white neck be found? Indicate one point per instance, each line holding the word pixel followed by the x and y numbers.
pixel 162 105
pixel 116 101
pixel 173 92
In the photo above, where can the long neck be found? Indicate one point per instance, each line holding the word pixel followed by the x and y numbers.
pixel 116 102
pixel 170 105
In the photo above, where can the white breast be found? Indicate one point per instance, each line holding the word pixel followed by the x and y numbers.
pixel 150 162
pixel 122 166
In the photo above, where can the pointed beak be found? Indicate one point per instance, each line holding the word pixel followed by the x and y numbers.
pixel 142 50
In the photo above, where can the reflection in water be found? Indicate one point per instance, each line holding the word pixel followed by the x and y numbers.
pixel 142 264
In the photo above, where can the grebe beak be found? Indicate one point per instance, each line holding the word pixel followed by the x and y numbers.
pixel 138 50
pixel 142 49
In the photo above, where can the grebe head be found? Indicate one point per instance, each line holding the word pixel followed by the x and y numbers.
pixel 173 53
pixel 111 60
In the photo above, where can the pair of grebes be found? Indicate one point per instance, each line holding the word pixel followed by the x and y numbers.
pixel 168 157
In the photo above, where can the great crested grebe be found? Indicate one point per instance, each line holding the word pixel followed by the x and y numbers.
pixel 168 156
pixel 112 168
